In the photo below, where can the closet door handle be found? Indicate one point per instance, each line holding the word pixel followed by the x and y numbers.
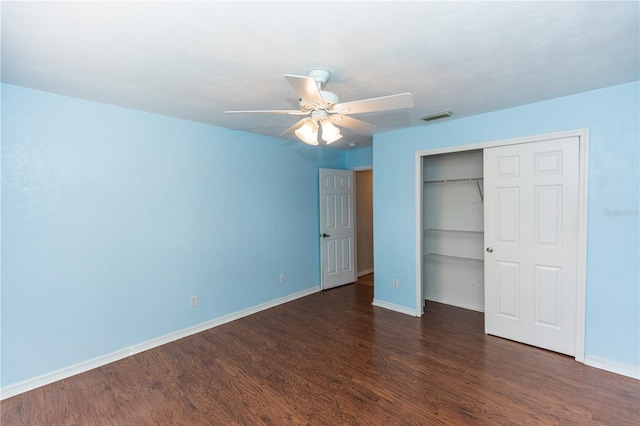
pixel 489 249
pixel 325 235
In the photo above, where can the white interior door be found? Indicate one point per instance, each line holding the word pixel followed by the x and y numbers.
pixel 531 241
pixel 337 228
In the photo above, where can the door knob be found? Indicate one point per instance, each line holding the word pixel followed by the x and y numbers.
pixel 489 249
pixel 325 235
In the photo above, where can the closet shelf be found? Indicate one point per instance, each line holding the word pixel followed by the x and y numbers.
pixel 452 231
pixel 447 258
pixel 475 179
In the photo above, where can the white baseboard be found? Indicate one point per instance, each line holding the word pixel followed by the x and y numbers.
pixel 393 307
pixel 365 272
pixel 457 303
pixel 613 366
pixel 63 373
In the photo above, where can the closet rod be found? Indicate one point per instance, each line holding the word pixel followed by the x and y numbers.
pixel 454 180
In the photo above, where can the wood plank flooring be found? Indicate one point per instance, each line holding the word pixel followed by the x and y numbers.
pixel 366 279
pixel 332 358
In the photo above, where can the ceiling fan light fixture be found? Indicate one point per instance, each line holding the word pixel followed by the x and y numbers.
pixel 330 133
pixel 308 133
pixel 324 108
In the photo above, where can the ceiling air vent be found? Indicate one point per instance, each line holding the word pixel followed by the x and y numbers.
pixel 436 116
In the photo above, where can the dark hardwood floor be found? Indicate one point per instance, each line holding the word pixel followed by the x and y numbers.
pixel 366 279
pixel 332 358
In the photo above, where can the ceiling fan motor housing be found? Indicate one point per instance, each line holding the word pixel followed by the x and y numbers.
pixel 329 99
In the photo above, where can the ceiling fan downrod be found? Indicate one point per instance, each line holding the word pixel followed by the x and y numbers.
pixel 320 77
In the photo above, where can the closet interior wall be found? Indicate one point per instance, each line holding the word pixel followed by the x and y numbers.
pixel 453 238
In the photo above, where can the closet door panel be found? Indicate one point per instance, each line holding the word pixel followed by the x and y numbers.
pixel 531 217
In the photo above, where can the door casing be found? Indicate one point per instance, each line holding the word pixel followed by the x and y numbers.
pixel 356 170
pixel 581 273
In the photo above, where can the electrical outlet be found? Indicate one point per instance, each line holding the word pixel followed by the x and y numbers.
pixel 281 278
pixel 395 283
pixel 194 301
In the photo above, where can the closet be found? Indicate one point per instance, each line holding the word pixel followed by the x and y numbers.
pixel 512 212
pixel 453 225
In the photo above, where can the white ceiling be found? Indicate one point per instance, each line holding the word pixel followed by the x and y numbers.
pixel 193 60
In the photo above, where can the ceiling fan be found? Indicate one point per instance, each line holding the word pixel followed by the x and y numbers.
pixel 323 109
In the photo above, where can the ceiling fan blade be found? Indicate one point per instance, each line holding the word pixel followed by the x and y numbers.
pixel 270 111
pixel 384 103
pixel 306 88
pixel 351 123
pixel 291 130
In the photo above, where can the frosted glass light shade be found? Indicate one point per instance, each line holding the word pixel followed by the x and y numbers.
pixel 330 133
pixel 308 133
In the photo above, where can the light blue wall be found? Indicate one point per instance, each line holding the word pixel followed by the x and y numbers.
pixel 613 283
pixel 112 218
pixel 359 157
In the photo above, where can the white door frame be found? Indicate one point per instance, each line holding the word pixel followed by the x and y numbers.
pixel 355 213
pixel 355 224
pixel 583 135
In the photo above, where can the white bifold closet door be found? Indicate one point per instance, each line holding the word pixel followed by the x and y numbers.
pixel 531 237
